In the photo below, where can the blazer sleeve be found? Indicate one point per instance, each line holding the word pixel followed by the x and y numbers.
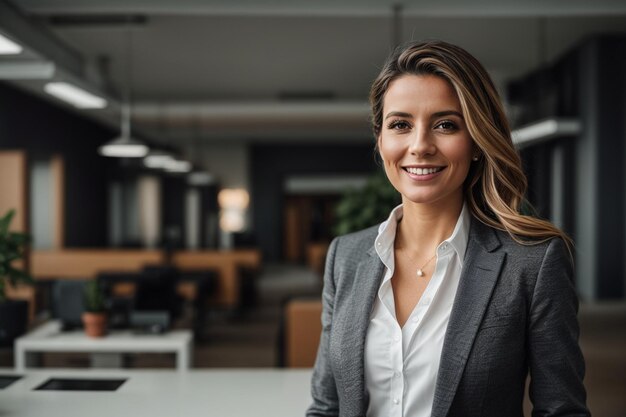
pixel 556 363
pixel 323 387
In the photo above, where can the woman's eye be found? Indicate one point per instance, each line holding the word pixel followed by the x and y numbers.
pixel 446 125
pixel 399 125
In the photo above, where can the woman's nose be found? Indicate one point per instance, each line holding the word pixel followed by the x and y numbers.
pixel 422 143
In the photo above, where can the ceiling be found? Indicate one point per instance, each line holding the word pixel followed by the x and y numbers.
pixel 293 70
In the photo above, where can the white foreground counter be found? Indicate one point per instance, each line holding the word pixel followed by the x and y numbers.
pixel 162 393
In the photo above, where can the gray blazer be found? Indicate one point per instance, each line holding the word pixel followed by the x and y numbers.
pixel 514 313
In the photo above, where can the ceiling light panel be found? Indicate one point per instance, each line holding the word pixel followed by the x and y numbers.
pixel 9 47
pixel 74 95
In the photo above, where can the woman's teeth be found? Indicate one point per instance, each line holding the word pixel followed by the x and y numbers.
pixel 423 171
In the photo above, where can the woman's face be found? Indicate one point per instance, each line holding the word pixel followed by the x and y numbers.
pixel 424 143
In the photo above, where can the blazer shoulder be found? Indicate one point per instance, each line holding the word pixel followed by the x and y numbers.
pixel 534 253
pixel 357 243
pixel 530 246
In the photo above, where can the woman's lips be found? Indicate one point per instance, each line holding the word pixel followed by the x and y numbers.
pixel 423 174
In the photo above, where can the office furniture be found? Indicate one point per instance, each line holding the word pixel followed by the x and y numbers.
pixel 49 338
pixel 68 302
pixel 88 263
pixel 156 290
pixel 316 256
pixel 303 327
pixel 226 263
pixel 163 393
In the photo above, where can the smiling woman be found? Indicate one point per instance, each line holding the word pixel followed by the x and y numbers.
pixel 446 308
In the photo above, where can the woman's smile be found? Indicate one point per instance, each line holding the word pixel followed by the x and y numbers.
pixel 423 173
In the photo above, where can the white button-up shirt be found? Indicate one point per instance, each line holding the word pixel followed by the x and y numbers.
pixel 401 364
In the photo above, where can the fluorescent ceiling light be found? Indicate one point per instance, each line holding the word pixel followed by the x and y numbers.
pixel 26 70
pixel 74 95
pixel 544 130
pixel 124 147
pixel 178 166
pixel 8 47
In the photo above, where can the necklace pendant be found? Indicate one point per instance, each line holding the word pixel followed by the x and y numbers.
pixel 420 273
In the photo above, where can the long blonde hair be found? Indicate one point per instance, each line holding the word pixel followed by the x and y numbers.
pixel 496 184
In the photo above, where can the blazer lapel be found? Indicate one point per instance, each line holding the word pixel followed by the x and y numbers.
pixel 368 276
pixel 480 272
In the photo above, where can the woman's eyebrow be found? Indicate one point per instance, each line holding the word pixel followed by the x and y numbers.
pixel 398 114
pixel 446 113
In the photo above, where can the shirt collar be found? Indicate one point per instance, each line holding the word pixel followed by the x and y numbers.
pixel 386 236
pixel 387 233
pixel 460 235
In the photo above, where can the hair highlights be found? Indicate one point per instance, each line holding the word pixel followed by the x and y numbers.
pixel 495 186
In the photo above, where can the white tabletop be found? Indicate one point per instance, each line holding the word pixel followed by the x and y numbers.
pixel 163 393
pixel 49 338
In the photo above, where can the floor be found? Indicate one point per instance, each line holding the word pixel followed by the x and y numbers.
pixel 251 339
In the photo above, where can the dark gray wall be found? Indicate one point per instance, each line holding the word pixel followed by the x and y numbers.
pixel 606 127
pixel 589 84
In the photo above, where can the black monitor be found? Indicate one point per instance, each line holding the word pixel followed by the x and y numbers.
pixel 68 303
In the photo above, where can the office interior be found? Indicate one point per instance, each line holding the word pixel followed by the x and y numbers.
pixel 258 112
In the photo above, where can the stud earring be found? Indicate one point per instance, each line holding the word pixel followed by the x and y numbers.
pixel 475 158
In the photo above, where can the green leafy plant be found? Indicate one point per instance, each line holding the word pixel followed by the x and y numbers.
pixel 12 247
pixel 362 208
pixel 94 297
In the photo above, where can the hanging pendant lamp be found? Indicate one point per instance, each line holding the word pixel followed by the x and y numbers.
pixel 125 146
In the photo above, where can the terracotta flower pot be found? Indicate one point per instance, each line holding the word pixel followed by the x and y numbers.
pixel 95 324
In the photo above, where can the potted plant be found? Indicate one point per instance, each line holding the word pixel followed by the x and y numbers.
pixel 95 317
pixel 365 207
pixel 13 313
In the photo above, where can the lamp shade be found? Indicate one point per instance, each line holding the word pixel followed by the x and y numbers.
pixel 233 198
pixel 124 147
pixel 157 159
pixel 178 166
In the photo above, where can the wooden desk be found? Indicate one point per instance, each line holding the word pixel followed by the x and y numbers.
pixel 226 263
pixel 87 263
pixel 164 393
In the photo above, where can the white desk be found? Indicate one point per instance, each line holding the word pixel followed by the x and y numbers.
pixel 49 338
pixel 164 393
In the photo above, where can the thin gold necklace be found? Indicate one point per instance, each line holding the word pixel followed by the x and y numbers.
pixel 420 271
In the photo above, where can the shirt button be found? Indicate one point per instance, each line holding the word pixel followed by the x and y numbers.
pixel 416 319
pixel 396 338
pixel 396 374
pixel 396 401
pixel 427 300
